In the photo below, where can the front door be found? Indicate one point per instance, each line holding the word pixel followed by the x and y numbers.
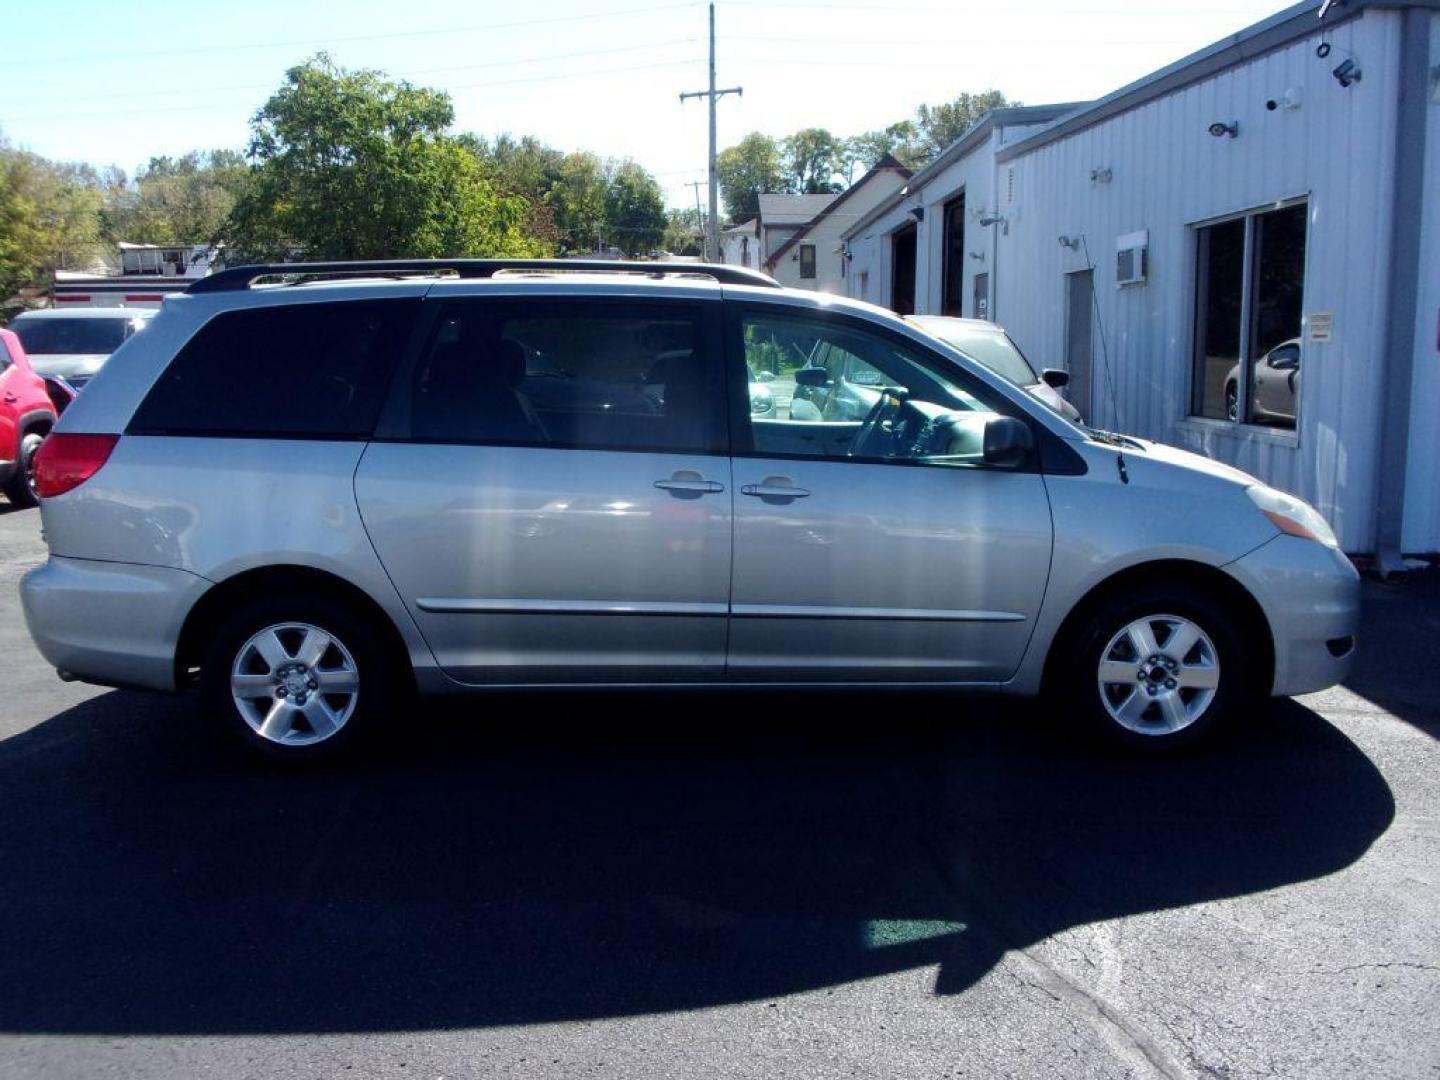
pixel 880 547
pixel 903 251
pixel 1080 310
pixel 553 498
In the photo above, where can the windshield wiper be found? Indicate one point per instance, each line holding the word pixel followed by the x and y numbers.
pixel 1113 438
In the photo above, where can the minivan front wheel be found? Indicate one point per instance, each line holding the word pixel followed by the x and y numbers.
pixel 296 679
pixel 1158 668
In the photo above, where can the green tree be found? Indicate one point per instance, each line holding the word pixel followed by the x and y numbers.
pixel 49 217
pixel 747 170
pixel 184 200
pixel 684 232
pixel 940 125
pixel 634 210
pixel 578 201
pixel 350 165
pixel 811 157
pixel 899 140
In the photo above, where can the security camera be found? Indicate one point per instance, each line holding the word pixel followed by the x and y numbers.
pixel 1346 73
pixel 1219 129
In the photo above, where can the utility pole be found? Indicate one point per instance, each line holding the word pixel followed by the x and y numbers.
pixel 699 214
pixel 712 230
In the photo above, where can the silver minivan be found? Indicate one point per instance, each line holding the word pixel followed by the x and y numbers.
pixel 315 490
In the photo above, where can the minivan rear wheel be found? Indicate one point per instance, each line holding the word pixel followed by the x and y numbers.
pixel 297 679
pixel 1157 668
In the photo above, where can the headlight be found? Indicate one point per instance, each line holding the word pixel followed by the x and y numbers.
pixel 1290 515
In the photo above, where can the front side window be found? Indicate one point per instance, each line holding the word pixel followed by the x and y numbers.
pixel 807 260
pixel 298 370
pixel 627 377
pixel 1250 277
pixel 859 394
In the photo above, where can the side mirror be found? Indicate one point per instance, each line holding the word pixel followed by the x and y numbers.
pixel 1008 442
pixel 816 377
pixel 1055 378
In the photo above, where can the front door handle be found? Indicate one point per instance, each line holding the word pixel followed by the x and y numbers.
pixel 775 487
pixel 689 482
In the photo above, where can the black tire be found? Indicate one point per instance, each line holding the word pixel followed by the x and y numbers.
pixel 379 685
pixel 1077 689
pixel 20 488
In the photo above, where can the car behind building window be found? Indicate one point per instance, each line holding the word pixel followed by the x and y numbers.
pixel 303 370
pixel 618 377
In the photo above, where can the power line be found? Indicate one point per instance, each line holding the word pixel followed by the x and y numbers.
pixel 448 30
pixel 249 102
pixel 406 76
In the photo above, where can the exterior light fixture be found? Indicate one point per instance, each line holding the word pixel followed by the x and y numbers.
pixel 918 213
pixel 1071 242
pixel 1219 129
pixel 1346 72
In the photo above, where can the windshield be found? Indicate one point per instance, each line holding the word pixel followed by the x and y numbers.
pixel 993 348
pixel 58 336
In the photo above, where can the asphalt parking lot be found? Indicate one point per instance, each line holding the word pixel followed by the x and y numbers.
pixel 680 885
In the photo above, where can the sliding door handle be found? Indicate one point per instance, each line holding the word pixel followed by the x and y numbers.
pixel 689 482
pixel 775 487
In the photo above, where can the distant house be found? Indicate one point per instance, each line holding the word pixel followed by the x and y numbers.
pixel 147 274
pixel 740 244
pixel 813 255
pixel 166 260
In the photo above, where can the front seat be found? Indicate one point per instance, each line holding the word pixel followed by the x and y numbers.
pixel 469 394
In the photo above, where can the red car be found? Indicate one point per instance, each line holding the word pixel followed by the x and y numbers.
pixel 27 414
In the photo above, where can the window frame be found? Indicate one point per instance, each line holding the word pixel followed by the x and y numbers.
pixel 1246 361
pixel 395 424
pixel 809 249
pixel 742 443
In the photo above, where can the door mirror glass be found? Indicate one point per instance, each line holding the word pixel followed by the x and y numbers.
pixel 814 377
pixel 1008 442
pixel 1055 378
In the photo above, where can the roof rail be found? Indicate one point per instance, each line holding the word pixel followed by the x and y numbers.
pixel 236 278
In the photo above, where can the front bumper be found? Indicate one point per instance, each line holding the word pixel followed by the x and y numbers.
pixel 111 623
pixel 1311 596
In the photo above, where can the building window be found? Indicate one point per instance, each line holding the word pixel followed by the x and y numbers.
pixel 1249 292
pixel 807 260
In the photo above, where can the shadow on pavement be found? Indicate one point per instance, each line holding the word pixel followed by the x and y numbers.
pixel 1399 637
pixel 523 860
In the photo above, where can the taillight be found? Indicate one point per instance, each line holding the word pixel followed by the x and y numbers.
pixel 64 461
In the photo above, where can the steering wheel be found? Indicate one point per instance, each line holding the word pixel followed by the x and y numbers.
pixel 892 399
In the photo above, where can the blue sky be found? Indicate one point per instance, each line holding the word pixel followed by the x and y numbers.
pixel 114 83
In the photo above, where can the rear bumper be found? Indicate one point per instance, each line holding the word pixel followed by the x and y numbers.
pixel 1311 597
pixel 116 624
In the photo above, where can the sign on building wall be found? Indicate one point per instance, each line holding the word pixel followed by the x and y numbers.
pixel 1320 325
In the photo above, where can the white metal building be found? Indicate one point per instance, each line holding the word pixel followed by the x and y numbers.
pixel 1190 242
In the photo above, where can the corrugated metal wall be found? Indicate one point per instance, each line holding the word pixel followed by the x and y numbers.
pixel 1422 483
pixel 1168 173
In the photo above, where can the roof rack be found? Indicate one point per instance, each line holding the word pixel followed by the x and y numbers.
pixel 237 278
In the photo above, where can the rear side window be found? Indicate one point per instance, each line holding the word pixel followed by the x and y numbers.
pixel 617 376
pixel 302 371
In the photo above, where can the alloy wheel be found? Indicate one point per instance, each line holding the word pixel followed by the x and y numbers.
pixel 1158 675
pixel 294 684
